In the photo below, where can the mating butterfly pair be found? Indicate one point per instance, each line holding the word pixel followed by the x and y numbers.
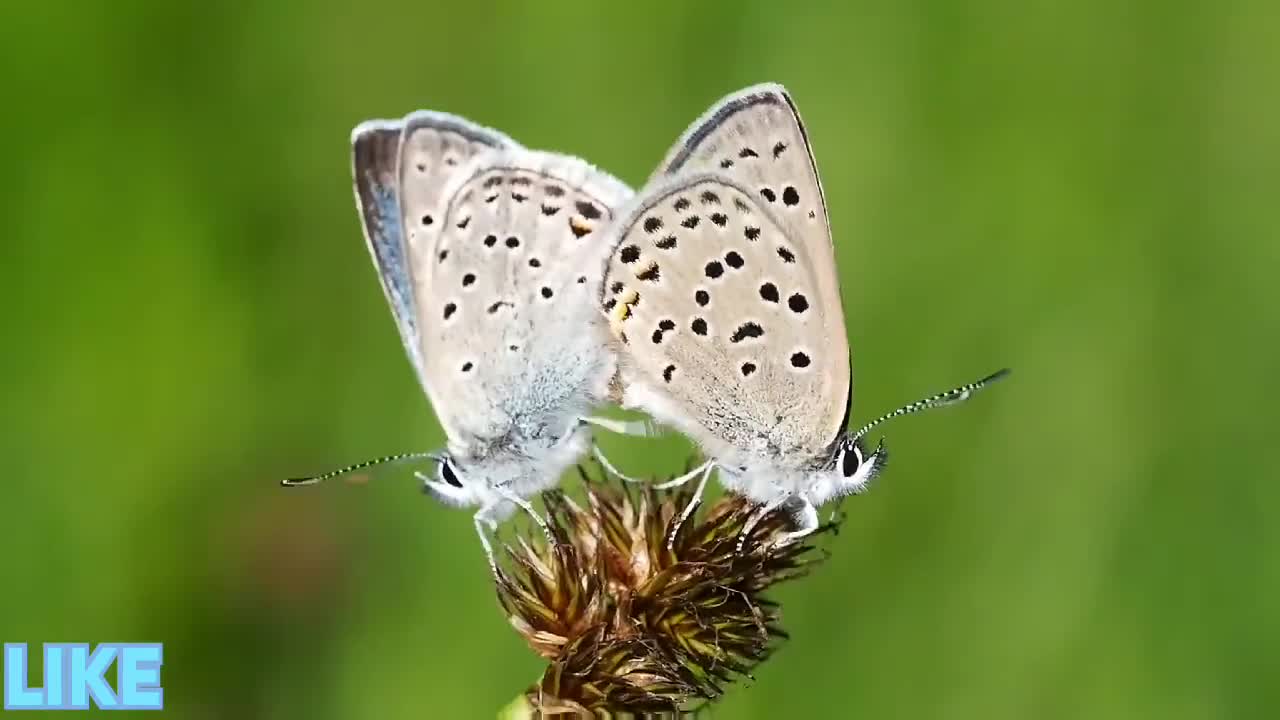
pixel 531 288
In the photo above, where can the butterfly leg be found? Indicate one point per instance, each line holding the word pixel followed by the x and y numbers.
pixel 632 428
pixel 609 467
pixel 677 482
pixel 760 514
pixel 527 507
pixel 706 469
pixel 482 520
pixel 807 518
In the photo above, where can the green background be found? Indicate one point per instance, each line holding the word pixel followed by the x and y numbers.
pixel 1084 191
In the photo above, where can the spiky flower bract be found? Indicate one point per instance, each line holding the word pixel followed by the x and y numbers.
pixel 631 626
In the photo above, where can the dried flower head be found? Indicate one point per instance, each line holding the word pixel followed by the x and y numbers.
pixel 631 626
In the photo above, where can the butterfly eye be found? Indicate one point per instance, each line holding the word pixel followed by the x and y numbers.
pixel 447 474
pixel 851 460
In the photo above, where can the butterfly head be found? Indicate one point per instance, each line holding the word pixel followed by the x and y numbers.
pixel 853 467
pixel 520 467
pixel 453 484
pixel 467 481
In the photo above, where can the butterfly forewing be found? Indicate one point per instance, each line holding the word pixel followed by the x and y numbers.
pixel 757 268
pixel 510 333
pixel 755 137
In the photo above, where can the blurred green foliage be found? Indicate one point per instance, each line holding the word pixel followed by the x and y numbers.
pixel 1085 191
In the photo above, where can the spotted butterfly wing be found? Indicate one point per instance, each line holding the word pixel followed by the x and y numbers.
pixel 504 287
pixel 436 143
pixel 722 286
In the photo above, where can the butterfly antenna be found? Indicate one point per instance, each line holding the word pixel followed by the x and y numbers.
pixel 297 482
pixel 950 397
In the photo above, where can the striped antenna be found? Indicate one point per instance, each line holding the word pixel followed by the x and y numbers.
pixel 950 397
pixel 298 482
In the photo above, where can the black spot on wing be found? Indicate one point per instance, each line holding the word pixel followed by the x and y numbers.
pixel 650 274
pixel 587 210
pixel 664 326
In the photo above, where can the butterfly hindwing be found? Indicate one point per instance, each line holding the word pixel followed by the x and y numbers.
pixel 719 313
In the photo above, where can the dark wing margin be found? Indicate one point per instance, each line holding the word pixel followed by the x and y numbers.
pixel 719 115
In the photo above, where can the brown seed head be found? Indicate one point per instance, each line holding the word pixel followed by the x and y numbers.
pixel 631 626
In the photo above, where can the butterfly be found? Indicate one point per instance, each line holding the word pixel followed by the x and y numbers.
pixel 722 289
pixel 489 255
